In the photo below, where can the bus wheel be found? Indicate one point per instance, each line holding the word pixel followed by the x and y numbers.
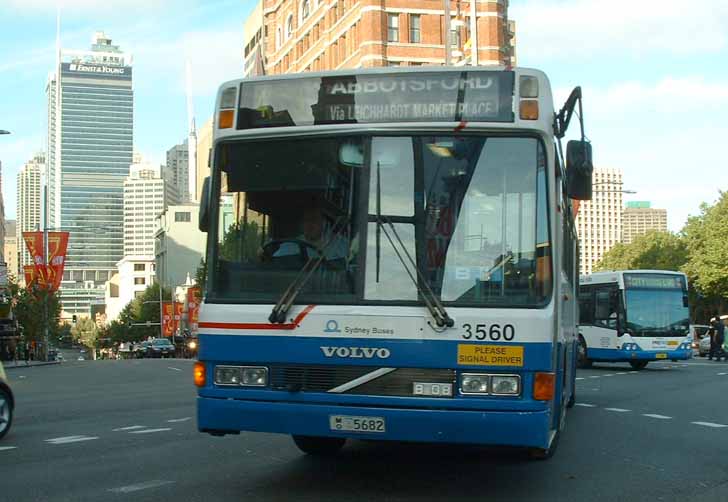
pixel 638 365
pixel 319 446
pixel 572 400
pixel 581 360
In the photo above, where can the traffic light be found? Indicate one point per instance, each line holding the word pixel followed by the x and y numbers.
pixel 74 318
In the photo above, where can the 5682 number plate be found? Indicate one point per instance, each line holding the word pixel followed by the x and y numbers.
pixel 356 424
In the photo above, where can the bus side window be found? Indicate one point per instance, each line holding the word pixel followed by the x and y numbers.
pixel 605 314
pixel 586 307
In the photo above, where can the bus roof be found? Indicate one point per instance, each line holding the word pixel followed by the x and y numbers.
pixel 363 93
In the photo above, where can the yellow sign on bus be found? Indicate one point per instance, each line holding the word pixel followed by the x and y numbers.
pixel 490 355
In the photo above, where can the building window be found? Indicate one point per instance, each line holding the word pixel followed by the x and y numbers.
pixel 392 27
pixel 454 38
pixel 139 267
pixel 289 26
pixel 139 281
pixel 305 9
pixel 279 38
pixel 183 216
pixel 414 28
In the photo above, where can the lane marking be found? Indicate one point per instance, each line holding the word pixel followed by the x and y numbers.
pixel 608 375
pixel 721 374
pixel 618 410
pixel 710 424
pixel 70 439
pixel 586 405
pixel 580 378
pixel 633 372
pixel 177 420
pixel 652 415
pixel 141 486
pixel 594 376
pixel 622 373
pixel 130 428
pixel 172 368
pixel 3 448
pixel 149 431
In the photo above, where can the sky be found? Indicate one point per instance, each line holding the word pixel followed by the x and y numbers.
pixel 654 75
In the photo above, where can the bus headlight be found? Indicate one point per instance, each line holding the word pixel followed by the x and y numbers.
pixel 505 385
pixel 474 383
pixel 255 376
pixel 227 375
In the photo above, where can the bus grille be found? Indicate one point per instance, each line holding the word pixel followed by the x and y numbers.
pixel 305 378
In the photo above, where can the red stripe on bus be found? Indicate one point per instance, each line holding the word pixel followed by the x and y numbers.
pixel 255 325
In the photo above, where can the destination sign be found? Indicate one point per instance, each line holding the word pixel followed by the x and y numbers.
pixel 654 281
pixel 480 96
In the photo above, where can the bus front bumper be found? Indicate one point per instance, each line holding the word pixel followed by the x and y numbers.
pixel 509 428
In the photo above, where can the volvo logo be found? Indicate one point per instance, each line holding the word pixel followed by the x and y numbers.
pixel 356 352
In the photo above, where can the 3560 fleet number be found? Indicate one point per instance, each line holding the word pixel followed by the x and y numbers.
pixel 493 332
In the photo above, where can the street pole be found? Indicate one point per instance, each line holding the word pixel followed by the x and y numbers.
pixel 447 32
pixel 473 33
pixel 45 270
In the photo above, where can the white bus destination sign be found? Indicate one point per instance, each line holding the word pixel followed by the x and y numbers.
pixel 481 96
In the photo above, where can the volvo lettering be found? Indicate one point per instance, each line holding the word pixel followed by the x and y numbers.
pixel 392 255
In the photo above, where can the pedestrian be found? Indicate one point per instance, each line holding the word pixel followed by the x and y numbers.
pixel 719 339
pixel 27 354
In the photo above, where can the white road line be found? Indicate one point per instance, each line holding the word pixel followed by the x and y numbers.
pixel 130 428
pixel 149 431
pixel 594 376
pixel 586 405
pixel 580 378
pixel 608 375
pixel 141 486
pixel 710 424
pixel 622 373
pixel 661 417
pixel 618 410
pixel 721 374
pixel 176 420
pixel 633 372
pixel 3 448
pixel 70 439
pixel 172 368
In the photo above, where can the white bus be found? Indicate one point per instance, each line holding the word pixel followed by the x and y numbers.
pixel 634 316
pixel 391 256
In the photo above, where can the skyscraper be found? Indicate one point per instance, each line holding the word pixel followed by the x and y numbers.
pixel 639 217
pixel 599 221
pixel 90 137
pixel 178 168
pixel 29 209
pixel 145 197
pixel 10 249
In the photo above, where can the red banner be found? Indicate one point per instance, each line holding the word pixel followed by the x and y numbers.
pixel 193 307
pixel 49 275
pixel 168 318
pixel 29 272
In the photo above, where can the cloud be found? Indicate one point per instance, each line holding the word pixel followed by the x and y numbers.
pixel 589 28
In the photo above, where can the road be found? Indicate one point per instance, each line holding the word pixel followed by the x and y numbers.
pixel 125 430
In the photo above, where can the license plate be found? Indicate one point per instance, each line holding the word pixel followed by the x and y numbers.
pixel 432 389
pixel 356 424
pixel 661 356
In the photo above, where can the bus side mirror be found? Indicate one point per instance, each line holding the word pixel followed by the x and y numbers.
pixel 204 219
pixel 579 169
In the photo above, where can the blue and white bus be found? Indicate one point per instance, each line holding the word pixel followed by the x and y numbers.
pixel 391 256
pixel 634 316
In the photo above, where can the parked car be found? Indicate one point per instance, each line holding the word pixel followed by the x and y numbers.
pixel 704 346
pixel 160 347
pixel 140 349
pixel 7 403
pixel 698 331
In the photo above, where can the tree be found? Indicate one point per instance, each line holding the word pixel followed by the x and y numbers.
pixel 30 312
pixel 653 250
pixel 86 332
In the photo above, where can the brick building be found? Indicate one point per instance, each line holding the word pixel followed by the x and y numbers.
pixel 314 35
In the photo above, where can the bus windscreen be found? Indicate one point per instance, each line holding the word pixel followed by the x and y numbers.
pixel 480 96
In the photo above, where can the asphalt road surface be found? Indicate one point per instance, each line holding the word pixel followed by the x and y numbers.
pixel 125 430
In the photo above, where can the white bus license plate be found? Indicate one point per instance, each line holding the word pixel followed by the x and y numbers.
pixel 661 356
pixel 356 424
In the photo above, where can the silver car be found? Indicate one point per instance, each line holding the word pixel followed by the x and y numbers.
pixel 704 346
pixel 7 403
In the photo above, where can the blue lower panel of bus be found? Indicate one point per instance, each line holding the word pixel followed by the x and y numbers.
pixel 613 355
pixel 528 429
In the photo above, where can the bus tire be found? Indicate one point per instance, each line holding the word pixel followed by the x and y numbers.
pixel 319 446
pixel 582 361
pixel 638 365
pixel 572 400
pixel 545 453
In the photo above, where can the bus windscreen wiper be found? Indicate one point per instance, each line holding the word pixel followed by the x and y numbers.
pixel 278 314
pixel 433 304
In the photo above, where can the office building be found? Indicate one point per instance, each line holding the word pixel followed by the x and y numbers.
pixel 179 244
pixel 302 35
pixel 10 249
pixel 29 204
pixel 599 221
pixel 90 137
pixel 254 50
pixel 639 218
pixel 145 196
pixel 204 150
pixel 178 169
pixel 134 275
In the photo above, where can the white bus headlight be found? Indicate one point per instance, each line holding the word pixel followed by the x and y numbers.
pixel 505 385
pixel 255 376
pixel 474 383
pixel 227 375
